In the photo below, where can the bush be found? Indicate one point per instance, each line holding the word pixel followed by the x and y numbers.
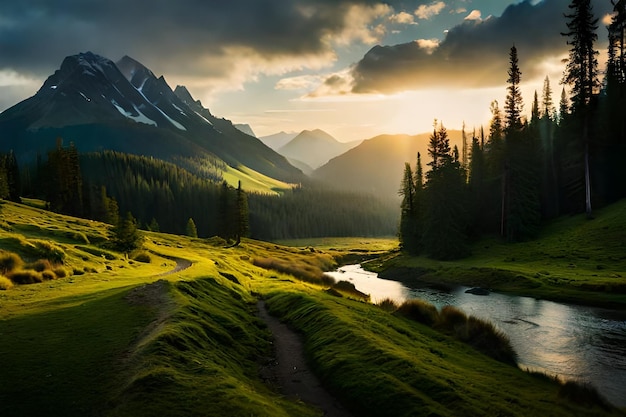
pixel 60 272
pixel 40 265
pixel 582 394
pixel 48 275
pixel 388 305
pixel 142 256
pixel 5 283
pixel 23 277
pixel 420 311
pixel 485 337
pixel 9 261
pixel 348 287
pixel 48 250
pixel 452 319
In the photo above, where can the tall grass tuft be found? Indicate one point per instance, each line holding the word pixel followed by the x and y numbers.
pixel 23 277
pixel 582 394
pixel 9 261
pixel 301 270
pixel 388 305
pixel 40 265
pixel 452 320
pixel 485 337
pixel 5 283
pixel 141 256
pixel 420 311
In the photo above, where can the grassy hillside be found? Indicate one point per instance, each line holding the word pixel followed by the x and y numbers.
pixel 574 259
pixel 120 337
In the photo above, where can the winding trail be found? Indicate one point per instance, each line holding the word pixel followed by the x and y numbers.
pixel 181 265
pixel 290 371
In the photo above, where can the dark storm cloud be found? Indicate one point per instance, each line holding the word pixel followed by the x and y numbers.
pixel 36 34
pixel 473 54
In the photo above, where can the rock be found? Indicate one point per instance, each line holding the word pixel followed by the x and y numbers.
pixel 477 291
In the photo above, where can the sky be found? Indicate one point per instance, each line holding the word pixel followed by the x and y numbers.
pixel 354 68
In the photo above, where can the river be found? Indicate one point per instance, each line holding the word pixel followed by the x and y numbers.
pixel 573 342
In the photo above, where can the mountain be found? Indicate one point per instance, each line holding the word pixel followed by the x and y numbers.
pixel 245 128
pixel 314 148
pixel 376 165
pixel 123 106
pixel 277 140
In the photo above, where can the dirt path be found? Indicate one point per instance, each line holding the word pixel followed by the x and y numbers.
pixel 181 265
pixel 290 372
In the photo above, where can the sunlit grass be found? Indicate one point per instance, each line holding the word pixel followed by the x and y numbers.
pixel 574 259
pixel 117 337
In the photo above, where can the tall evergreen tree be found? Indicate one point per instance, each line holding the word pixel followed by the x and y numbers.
pixel 445 214
pixel 513 105
pixel 242 222
pixel 547 105
pixel 581 74
pixel 407 213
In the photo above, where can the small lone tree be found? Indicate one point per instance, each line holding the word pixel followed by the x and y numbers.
pixel 191 229
pixel 127 236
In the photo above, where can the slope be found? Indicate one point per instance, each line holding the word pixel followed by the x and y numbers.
pixel 377 164
pixel 314 148
pixel 100 105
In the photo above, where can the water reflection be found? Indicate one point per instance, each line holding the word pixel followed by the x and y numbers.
pixel 574 342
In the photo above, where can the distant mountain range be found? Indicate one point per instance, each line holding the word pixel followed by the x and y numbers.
pixel 245 128
pixel 123 106
pixel 278 140
pixel 314 148
pixel 376 165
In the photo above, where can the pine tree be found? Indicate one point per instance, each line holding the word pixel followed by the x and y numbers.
pixel 191 229
pixel 225 212
pixel 407 211
pixel 547 106
pixel 13 177
pixel 127 236
pixel 242 225
pixel 581 74
pixel 445 215
pixel 513 105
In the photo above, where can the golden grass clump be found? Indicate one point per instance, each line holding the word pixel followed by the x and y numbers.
pixel 25 276
pixel 420 311
pixel 388 305
pixel 10 261
pixel 5 283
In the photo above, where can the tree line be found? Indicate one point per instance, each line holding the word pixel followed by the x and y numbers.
pixel 163 196
pixel 521 172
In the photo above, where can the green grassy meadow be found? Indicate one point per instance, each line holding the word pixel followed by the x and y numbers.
pixel 119 337
pixel 574 260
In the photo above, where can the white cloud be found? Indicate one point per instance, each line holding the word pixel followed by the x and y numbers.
pixel 10 78
pixel 358 25
pixel 427 11
pixel 428 44
pixel 474 15
pixel 403 18
pixel 302 82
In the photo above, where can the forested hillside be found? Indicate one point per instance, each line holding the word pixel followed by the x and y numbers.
pixel 524 172
pixel 165 197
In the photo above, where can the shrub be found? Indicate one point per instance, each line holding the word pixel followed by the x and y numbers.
pixel 78 271
pixel 452 319
pixel 9 261
pixel 48 275
pixel 420 311
pixel 48 250
pixel 300 270
pixel 5 283
pixel 388 305
pixel 60 272
pixel 582 394
pixel 348 287
pixel 485 337
pixel 23 277
pixel 40 265
pixel 142 256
